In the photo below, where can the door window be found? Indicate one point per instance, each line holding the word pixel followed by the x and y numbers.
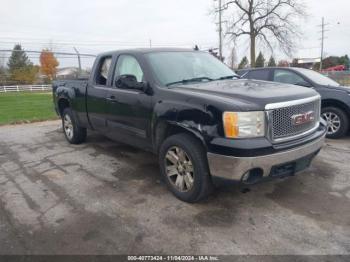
pixel 288 77
pixel 128 65
pixel 103 71
pixel 259 74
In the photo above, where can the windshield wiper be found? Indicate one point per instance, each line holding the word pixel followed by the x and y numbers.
pixel 228 77
pixel 196 79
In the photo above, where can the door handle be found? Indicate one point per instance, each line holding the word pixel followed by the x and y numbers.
pixel 112 99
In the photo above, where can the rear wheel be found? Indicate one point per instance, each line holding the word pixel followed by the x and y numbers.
pixel 337 122
pixel 72 131
pixel 184 167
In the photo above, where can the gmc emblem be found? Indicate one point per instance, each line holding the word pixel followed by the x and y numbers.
pixel 303 118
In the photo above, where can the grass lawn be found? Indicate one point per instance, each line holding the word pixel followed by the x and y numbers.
pixel 26 107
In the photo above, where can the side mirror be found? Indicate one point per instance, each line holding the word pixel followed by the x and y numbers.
pixel 305 84
pixel 129 82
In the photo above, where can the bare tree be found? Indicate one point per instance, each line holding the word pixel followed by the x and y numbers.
pixel 232 59
pixel 266 20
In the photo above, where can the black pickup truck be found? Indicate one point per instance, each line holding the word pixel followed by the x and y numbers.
pixel 207 126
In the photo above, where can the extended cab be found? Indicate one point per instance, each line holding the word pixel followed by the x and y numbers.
pixel 206 125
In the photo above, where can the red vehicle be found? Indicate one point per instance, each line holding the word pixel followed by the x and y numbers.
pixel 335 68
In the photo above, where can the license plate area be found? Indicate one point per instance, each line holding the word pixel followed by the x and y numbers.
pixel 289 169
pixel 283 170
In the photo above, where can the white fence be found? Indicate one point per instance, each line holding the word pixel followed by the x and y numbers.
pixel 22 88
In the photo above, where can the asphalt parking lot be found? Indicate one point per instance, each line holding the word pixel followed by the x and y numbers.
pixel 102 197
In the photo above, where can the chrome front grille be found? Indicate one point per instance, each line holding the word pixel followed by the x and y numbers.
pixel 281 123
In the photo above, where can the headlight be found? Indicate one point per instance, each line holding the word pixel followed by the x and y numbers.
pixel 244 124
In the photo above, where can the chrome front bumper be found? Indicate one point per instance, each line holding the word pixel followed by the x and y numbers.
pixel 233 168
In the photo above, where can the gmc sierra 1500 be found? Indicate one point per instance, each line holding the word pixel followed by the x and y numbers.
pixel 206 125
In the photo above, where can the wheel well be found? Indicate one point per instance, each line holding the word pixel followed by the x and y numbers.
pixel 62 104
pixel 336 103
pixel 165 130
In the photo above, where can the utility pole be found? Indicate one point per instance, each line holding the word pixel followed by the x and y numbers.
pixel 79 61
pixel 220 29
pixel 221 8
pixel 150 43
pixel 323 30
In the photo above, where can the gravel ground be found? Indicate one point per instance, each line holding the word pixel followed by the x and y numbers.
pixel 102 197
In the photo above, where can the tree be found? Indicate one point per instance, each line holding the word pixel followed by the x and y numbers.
pixel 2 67
pixel 344 60
pixel 330 62
pixel 48 63
pixel 2 70
pixel 2 75
pixel 283 63
pixel 260 61
pixel 21 70
pixel 265 20
pixel 272 62
pixel 244 63
pixel 18 59
pixel 295 62
pixel 25 75
pixel 232 58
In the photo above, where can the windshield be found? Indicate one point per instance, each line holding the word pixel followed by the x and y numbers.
pixel 318 78
pixel 183 67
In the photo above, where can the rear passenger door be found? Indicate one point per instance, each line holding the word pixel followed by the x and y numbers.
pixel 97 92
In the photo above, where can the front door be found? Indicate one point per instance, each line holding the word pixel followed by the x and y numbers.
pixel 129 110
pixel 96 95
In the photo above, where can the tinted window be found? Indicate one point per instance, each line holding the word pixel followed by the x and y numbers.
pixel 103 71
pixel 128 65
pixel 258 74
pixel 288 77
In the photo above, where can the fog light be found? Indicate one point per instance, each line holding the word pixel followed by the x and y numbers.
pixel 252 176
pixel 245 177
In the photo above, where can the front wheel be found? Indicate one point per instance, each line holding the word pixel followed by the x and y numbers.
pixel 184 167
pixel 72 131
pixel 337 122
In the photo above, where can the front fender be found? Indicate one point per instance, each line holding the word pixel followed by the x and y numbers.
pixel 204 122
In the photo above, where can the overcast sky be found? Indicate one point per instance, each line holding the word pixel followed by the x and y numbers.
pixel 94 26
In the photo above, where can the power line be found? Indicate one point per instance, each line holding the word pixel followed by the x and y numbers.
pixel 39 52
pixel 96 43
pixel 57 57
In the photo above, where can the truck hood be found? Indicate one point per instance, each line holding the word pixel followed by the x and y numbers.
pixel 247 94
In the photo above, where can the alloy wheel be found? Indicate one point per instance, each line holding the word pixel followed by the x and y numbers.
pixel 179 169
pixel 333 122
pixel 68 126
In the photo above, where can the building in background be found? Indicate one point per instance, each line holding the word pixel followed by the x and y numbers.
pixel 308 63
pixel 71 72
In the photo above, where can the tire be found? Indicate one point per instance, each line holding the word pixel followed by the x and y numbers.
pixel 192 158
pixel 72 131
pixel 337 120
